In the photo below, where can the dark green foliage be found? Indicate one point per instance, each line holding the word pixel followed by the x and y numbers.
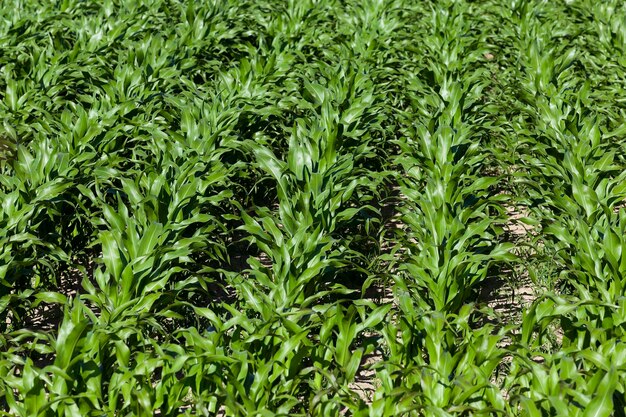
pixel 254 208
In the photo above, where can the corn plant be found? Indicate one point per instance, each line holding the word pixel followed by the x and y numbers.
pixel 438 365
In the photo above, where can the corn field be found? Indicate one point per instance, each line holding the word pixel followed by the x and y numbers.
pixel 370 208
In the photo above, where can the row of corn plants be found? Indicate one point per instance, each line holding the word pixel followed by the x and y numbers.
pixel 570 178
pixel 438 362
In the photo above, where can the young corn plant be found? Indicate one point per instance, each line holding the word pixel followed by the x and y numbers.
pixel 576 379
pixel 438 364
pixel 315 187
pixel 452 236
pixel 34 201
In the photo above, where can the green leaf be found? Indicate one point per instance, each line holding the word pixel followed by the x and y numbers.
pixel 602 403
